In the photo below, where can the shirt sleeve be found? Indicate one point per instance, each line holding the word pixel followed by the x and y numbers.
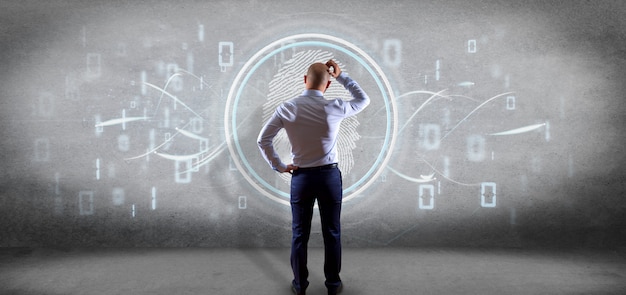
pixel 265 142
pixel 360 99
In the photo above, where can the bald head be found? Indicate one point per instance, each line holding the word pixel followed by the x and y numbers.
pixel 317 77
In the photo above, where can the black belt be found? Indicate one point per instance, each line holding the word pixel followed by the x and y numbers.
pixel 323 167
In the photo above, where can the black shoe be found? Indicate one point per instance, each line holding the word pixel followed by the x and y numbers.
pixel 293 288
pixel 339 289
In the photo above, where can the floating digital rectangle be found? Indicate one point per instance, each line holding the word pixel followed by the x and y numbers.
pixel 471 46
pixel 488 194
pixel 123 119
pixel 243 202
pixel 430 135
pixel 475 148
pixel 154 200
pixel 144 79
pixel 183 170
pixel 167 136
pixel 201 32
pixel 123 142
pixel 392 52
pixel 85 202
pixel 226 56
pixel 197 125
pixel 118 196
pixel 98 169
pixel 426 199
pixel 510 102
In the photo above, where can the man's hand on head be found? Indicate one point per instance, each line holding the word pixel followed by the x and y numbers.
pixel 333 68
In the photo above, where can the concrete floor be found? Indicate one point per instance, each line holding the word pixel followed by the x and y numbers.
pixel 266 271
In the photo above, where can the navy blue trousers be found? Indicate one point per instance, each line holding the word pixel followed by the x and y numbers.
pixel 325 186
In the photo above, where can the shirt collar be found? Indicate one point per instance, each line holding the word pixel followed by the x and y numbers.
pixel 312 92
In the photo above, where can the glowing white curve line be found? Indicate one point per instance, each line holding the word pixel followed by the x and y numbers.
pixel 191 74
pixel 120 121
pixel 167 83
pixel 179 157
pixel 466 84
pixel 520 130
pixel 438 94
pixel 409 178
pixel 150 151
pixel 472 112
pixel 203 161
pixel 173 97
pixel 420 92
pixel 427 176
pixel 157 147
pixel 190 134
pixel 448 178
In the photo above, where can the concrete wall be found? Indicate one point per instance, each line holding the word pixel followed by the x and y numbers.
pixel 492 123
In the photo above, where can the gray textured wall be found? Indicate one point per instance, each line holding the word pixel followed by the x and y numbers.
pixel 493 123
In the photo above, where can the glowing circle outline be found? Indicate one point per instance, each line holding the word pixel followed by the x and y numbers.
pixel 248 68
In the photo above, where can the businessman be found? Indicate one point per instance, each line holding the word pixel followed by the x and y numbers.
pixel 312 124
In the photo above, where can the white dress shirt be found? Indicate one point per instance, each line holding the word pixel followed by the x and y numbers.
pixel 312 124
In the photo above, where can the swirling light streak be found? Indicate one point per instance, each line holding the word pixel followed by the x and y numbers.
pixel 520 130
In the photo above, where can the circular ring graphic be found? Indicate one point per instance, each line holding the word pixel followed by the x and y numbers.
pixel 234 106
